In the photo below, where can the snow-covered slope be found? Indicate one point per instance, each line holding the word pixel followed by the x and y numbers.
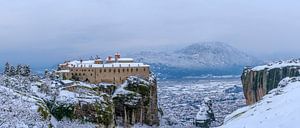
pixel 279 109
pixel 215 58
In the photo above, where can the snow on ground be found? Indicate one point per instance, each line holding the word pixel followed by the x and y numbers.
pixel 278 64
pixel 181 100
pixel 21 100
pixel 279 109
pixel 19 111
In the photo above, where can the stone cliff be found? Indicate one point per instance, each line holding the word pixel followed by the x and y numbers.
pixel 258 81
pixel 136 102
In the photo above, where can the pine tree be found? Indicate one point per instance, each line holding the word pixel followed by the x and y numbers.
pixel 19 69
pixel 12 71
pixel 26 70
pixel 6 68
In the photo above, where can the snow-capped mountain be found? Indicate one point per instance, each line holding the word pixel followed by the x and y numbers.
pixel 278 109
pixel 215 58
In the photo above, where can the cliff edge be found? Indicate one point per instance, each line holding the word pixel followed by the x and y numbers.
pixel 258 81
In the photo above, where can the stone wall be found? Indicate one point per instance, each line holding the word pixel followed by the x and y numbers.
pixel 116 75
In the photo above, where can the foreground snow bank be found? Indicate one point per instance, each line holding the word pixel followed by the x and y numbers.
pixel 278 109
pixel 20 111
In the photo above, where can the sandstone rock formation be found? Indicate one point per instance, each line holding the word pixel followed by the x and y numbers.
pixel 258 81
pixel 136 102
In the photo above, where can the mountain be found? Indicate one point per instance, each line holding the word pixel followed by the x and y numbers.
pixel 215 58
pixel 278 109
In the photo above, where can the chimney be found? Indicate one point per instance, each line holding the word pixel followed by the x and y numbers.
pixel 109 58
pixel 117 56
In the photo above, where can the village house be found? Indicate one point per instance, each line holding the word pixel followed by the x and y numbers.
pixel 111 70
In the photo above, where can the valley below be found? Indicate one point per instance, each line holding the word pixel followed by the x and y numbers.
pixel 180 100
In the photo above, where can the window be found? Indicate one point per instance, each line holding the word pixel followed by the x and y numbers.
pixel 104 70
pixel 131 69
pixel 114 70
pixel 109 70
pixel 123 70
pixel 144 69
pixel 119 71
pixel 100 70
pixel 127 69
pixel 91 74
pixel 137 69
pixel 83 74
pixel 79 74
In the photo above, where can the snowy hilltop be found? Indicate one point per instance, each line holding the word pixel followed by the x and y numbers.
pixel 278 109
pixel 215 58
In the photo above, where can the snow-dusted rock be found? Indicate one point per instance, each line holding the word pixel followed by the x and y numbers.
pixel 136 102
pixel 258 81
pixel 278 109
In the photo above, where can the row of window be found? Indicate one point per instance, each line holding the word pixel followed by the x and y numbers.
pixel 110 70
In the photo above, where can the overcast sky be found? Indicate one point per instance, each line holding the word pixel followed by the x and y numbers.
pixel 48 31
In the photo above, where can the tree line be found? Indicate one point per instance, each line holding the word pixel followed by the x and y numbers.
pixel 23 70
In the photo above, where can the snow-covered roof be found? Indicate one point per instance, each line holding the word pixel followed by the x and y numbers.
pixel 63 71
pixel 67 81
pixel 91 63
pixel 121 59
pixel 279 64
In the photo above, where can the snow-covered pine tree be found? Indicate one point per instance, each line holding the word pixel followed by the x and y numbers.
pixel 26 71
pixel 12 71
pixel 46 73
pixel 6 68
pixel 19 69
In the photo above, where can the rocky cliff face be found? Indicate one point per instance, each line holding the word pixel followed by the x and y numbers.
pixel 258 81
pixel 136 102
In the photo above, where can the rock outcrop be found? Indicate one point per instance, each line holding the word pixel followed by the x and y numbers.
pixel 136 102
pixel 83 103
pixel 258 81
pixel 56 103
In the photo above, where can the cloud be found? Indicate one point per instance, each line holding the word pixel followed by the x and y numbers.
pixel 59 29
